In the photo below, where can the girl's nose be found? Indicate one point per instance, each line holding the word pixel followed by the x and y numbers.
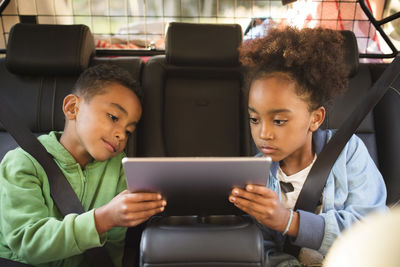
pixel 266 132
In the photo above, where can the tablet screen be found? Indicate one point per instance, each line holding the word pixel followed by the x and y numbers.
pixel 195 186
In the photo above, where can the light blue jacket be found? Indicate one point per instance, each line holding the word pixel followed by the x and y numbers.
pixel 353 189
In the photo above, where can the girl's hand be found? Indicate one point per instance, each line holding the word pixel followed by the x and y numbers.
pixel 128 210
pixel 263 204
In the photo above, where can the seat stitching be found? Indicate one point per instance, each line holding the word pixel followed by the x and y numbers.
pixel 395 90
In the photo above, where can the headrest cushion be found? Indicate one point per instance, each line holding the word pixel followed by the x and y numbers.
pixel 350 47
pixel 203 44
pixel 40 49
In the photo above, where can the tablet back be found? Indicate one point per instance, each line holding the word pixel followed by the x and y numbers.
pixel 195 186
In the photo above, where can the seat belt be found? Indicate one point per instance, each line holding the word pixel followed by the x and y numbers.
pixel 311 192
pixel 61 191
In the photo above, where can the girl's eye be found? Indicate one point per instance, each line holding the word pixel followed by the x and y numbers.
pixel 112 117
pixel 280 122
pixel 128 133
pixel 253 120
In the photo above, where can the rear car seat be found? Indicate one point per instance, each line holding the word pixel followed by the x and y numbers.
pixel 387 131
pixel 41 66
pixel 380 130
pixel 193 103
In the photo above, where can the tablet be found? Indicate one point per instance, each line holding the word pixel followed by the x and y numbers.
pixel 197 185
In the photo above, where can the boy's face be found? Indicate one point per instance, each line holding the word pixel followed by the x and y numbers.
pixel 280 121
pixel 99 127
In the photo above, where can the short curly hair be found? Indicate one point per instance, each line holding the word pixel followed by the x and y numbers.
pixel 314 58
pixel 94 80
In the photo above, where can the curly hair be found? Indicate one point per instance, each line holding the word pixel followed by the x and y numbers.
pixel 94 80
pixel 314 58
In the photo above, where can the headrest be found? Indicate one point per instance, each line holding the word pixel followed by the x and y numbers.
pixel 350 47
pixel 203 44
pixel 49 49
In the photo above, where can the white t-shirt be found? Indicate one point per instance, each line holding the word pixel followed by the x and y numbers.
pixel 297 180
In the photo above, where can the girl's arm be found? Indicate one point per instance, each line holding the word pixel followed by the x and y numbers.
pixel 354 188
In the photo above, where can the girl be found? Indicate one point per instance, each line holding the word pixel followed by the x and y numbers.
pixel 292 75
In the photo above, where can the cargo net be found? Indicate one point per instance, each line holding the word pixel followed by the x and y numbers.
pixel 141 24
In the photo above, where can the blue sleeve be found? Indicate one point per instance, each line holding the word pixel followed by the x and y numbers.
pixel 354 189
pixel 311 230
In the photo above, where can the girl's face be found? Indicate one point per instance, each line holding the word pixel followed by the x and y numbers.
pixel 280 120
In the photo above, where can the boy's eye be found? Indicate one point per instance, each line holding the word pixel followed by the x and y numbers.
pixel 280 122
pixel 112 117
pixel 253 120
pixel 128 133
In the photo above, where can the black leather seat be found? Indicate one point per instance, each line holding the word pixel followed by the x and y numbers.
pixel 41 66
pixel 387 133
pixel 380 130
pixel 193 104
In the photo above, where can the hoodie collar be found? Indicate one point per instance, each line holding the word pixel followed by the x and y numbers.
pixel 56 149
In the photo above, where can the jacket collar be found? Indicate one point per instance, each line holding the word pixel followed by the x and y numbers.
pixel 319 140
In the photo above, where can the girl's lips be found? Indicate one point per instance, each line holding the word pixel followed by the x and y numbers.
pixel 267 150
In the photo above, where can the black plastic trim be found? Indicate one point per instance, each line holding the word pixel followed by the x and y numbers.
pixel 377 24
pixel 126 52
pixel 3 5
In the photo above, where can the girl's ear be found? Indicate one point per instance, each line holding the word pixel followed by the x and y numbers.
pixel 317 118
pixel 71 106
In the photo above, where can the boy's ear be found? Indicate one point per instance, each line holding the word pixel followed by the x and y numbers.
pixel 317 118
pixel 71 106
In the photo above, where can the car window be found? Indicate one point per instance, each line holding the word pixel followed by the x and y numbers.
pixel 141 24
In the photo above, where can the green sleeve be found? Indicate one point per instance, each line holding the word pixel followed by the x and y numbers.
pixel 30 223
pixel 122 181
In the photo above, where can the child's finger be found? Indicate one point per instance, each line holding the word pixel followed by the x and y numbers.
pixel 140 197
pixel 266 207
pixel 253 212
pixel 261 190
pixel 259 216
pixel 146 214
pixel 254 197
pixel 243 202
pixel 147 205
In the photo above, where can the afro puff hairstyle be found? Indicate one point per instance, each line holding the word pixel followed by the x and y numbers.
pixel 313 58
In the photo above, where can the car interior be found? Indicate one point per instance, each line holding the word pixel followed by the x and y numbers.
pixel 193 106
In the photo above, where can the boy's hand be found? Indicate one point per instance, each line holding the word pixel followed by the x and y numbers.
pixel 263 204
pixel 128 210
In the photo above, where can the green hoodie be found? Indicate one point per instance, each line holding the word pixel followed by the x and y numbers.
pixel 32 229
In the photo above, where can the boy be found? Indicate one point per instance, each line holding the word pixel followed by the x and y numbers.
pixel 292 75
pixel 100 114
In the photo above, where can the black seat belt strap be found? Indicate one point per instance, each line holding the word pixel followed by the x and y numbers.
pixel 10 263
pixel 311 192
pixel 60 189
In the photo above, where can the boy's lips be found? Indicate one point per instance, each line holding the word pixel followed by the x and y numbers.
pixel 110 146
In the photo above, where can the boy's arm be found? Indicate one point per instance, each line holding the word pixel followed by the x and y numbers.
pixel 30 223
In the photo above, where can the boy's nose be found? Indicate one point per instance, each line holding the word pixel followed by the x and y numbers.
pixel 119 134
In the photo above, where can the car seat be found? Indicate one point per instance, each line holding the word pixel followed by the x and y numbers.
pixel 193 104
pixel 41 66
